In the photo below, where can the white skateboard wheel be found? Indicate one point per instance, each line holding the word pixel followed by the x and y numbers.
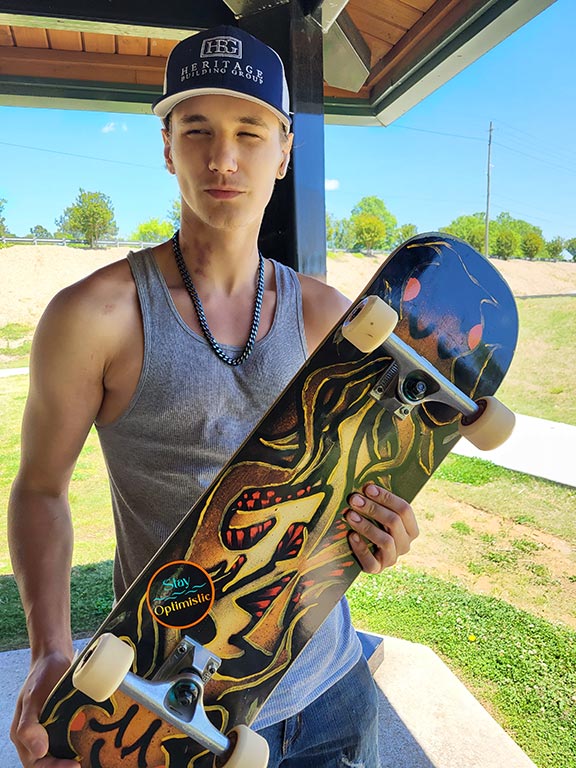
pixel 103 668
pixel 369 324
pixel 492 427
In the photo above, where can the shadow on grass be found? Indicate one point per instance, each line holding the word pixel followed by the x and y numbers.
pixel 91 590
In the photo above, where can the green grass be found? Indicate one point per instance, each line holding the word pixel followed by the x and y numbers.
pixel 513 496
pixel 91 591
pixel 521 667
pixel 15 344
pixel 89 493
pixel 540 381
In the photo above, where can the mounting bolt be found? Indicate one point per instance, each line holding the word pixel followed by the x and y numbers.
pixel 186 696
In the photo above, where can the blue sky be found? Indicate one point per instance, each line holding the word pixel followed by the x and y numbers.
pixel 428 167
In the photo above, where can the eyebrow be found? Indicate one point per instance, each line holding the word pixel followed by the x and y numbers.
pixel 244 120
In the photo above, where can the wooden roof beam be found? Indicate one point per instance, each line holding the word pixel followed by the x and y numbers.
pixel 433 51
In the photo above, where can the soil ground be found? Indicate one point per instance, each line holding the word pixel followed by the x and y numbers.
pixel 539 575
pixel 31 275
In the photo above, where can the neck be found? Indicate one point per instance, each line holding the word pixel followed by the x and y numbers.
pixel 219 258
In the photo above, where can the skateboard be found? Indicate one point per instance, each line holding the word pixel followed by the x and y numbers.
pixel 191 652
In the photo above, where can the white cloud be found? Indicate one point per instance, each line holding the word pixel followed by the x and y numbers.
pixel 109 128
pixel 330 185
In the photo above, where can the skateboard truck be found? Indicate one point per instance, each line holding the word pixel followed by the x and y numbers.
pixel 413 380
pixel 410 379
pixel 175 693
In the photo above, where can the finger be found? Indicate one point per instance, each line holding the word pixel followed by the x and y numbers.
pixel 376 519
pixel 372 560
pixel 396 504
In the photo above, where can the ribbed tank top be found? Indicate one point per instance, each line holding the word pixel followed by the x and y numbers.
pixel 190 412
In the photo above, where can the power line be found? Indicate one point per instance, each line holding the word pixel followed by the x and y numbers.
pixel 533 157
pixel 83 157
pixel 537 142
pixel 438 133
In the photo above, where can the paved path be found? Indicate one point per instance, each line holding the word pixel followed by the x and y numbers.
pixel 5 372
pixel 428 719
pixel 537 447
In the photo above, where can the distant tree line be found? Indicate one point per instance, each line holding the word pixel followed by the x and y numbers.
pixel 370 227
pixel 91 218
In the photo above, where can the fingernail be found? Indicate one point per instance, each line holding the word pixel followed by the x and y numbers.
pixel 371 490
pixel 354 517
pixel 357 500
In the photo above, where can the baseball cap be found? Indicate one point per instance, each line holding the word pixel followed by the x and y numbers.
pixel 225 60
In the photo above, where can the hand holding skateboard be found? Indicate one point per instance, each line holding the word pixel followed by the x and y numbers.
pixel 384 527
pixel 29 737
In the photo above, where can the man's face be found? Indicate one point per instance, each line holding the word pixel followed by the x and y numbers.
pixel 227 153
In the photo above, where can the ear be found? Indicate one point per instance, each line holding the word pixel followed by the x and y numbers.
pixel 286 149
pixel 168 151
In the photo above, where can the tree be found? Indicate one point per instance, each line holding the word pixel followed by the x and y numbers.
pixel 570 246
pixel 469 228
pixel 505 222
pixel 90 218
pixel 507 243
pixel 531 245
pixel 153 231
pixel 344 235
pixel 369 231
pixel 555 247
pixel 174 214
pixel 331 229
pixel 3 230
pixel 40 232
pixel 403 233
pixel 374 206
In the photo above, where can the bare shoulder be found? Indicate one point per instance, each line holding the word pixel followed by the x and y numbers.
pixel 85 324
pixel 323 306
pixel 92 305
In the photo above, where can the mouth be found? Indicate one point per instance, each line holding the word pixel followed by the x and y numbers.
pixel 223 193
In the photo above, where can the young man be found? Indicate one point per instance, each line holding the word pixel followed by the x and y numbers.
pixel 175 353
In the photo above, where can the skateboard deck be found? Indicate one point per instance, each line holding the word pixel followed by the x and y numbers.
pixel 263 556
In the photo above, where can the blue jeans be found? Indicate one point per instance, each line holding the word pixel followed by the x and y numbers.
pixel 338 730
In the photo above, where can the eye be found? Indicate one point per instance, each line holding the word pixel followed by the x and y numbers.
pixel 250 135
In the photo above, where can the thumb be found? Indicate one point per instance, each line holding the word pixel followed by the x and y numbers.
pixel 31 735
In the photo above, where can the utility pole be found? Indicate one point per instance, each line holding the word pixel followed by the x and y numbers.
pixel 487 222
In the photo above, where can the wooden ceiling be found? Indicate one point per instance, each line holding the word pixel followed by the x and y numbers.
pixel 412 45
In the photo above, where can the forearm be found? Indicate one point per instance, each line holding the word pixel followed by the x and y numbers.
pixel 41 539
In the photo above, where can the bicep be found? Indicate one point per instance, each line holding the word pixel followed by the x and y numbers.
pixel 322 306
pixel 64 397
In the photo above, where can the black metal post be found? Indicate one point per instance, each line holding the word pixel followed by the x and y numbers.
pixel 294 227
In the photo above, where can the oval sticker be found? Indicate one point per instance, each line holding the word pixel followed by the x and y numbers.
pixel 180 594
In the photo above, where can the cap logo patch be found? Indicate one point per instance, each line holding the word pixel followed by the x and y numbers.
pixel 221 46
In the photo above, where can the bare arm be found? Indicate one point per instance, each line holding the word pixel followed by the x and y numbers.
pixel 66 390
pixel 322 307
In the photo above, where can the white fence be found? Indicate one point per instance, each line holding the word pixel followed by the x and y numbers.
pixel 62 241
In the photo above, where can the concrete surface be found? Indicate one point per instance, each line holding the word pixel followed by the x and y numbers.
pixel 537 447
pixel 428 719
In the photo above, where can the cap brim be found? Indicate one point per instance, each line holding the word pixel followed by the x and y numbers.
pixel 163 106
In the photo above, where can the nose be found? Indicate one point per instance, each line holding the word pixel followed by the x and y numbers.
pixel 222 156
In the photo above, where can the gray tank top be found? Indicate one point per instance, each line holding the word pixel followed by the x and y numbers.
pixel 188 415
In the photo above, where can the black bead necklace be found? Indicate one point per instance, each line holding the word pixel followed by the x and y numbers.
pixel 193 293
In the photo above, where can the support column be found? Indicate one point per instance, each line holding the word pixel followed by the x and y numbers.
pixel 294 226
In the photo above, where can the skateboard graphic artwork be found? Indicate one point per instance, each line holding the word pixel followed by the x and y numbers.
pixel 189 655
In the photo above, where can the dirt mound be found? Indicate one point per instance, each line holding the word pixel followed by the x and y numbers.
pixel 32 274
